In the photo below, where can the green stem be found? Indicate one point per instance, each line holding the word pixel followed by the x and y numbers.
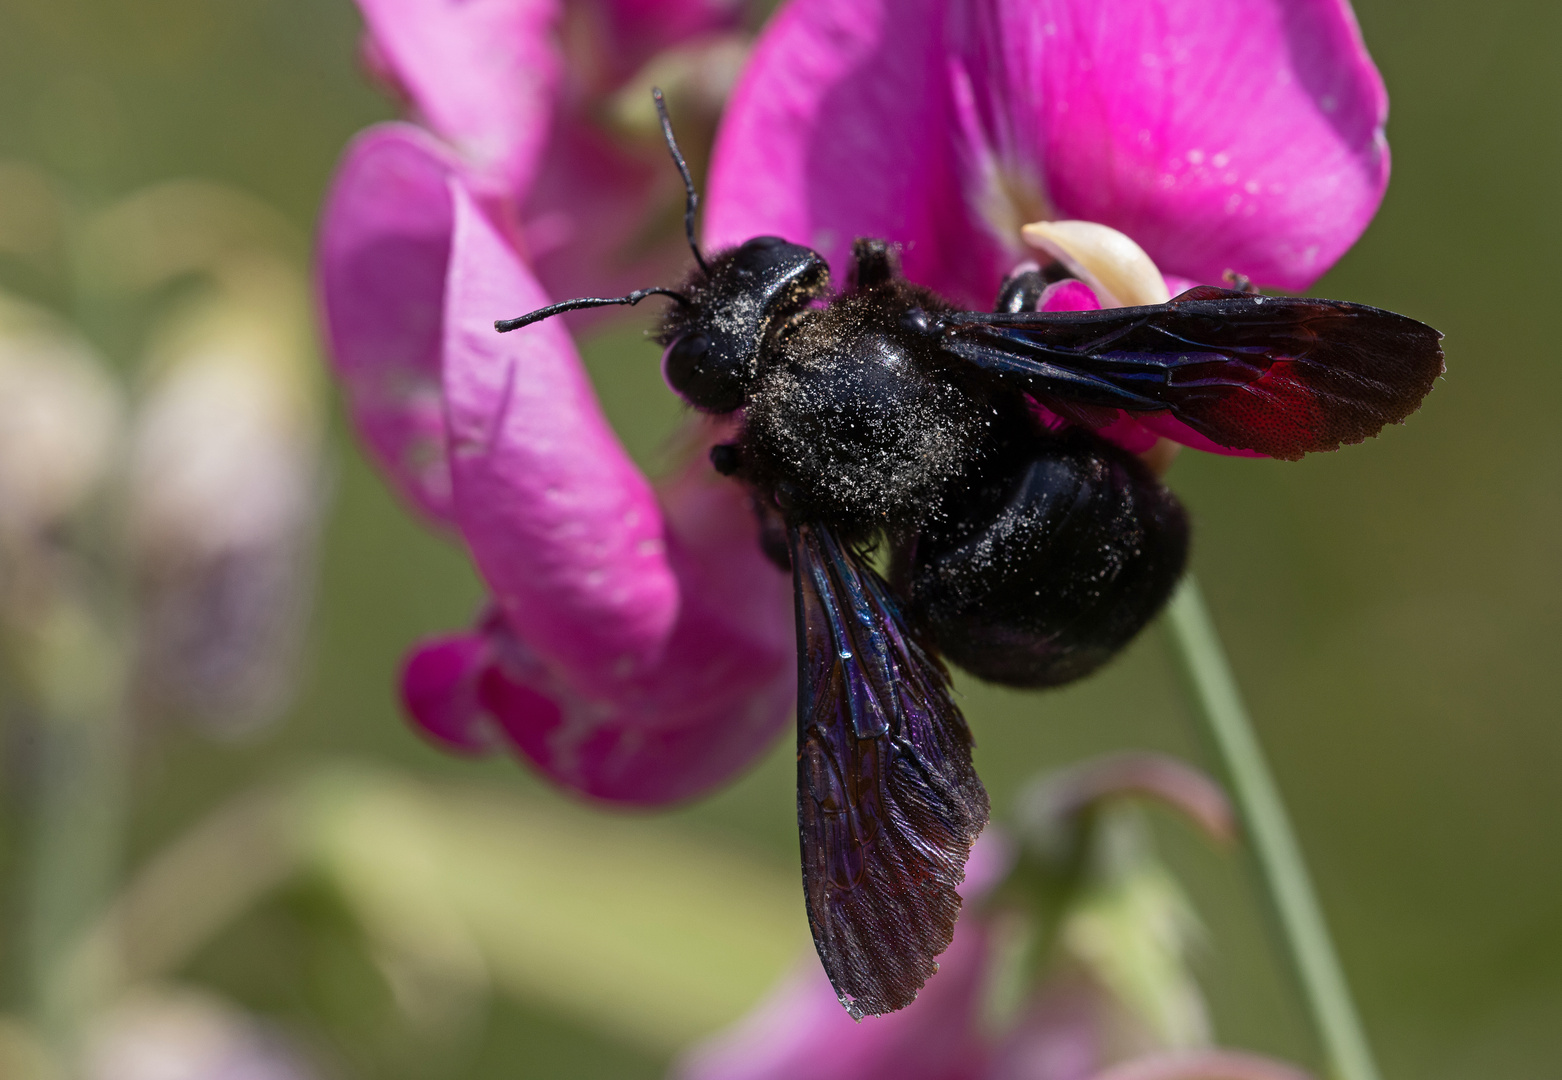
pixel 76 669
pixel 1274 843
pixel 76 850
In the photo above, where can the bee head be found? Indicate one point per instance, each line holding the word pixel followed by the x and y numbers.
pixel 714 334
pixel 714 341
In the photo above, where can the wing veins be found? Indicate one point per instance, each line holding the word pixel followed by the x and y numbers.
pixel 887 820
pixel 1283 376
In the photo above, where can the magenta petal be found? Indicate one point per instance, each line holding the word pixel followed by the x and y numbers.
pixel 645 750
pixel 1219 134
pixel 481 73
pixel 717 700
pixel 801 1032
pixel 440 686
pixel 992 857
pixel 1168 426
pixel 839 128
pixel 383 250
pixel 1070 294
pixel 560 522
pixel 636 30
pixel 584 217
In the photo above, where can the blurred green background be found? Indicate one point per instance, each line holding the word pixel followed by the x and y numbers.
pixel 1394 612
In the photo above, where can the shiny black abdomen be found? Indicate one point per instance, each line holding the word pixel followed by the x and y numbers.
pixel 1047 563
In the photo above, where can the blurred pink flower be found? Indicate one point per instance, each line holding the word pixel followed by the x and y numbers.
pixel 800 1032
pixel 638 647
pixel 1043 1015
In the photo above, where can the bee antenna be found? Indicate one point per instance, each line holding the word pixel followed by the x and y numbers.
pixel 692 200
pixel 504 326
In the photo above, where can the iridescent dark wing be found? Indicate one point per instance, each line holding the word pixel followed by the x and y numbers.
pixel 1279 375
pixel 888 804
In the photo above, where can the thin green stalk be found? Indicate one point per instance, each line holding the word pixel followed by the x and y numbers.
pixel 77 816
pixel 1264 819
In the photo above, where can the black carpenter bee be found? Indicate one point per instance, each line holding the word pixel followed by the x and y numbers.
pixel 882 416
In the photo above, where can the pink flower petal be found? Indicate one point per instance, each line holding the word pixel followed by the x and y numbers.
pixel 440 686
pixel 841 127
pixel 992 857
pixel 383 250
pixel 718 699
pixel 1063 1032
pixel 649 658
pixel 481 73
pixel 654 744
pixel 1219 134
pixel 1167 425
pixel 1070 294
pixel 725 686
pixel 560 522
pixel 801 1032
pixel 657 656
pixel 585 216
pixel 633 31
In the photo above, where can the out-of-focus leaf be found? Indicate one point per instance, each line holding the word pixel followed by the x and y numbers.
pixel 634 927
pixel 1132 927
pixel 194 888
pixel 23 1055
pixel 644 932
pixel 30 212
pixel 181 227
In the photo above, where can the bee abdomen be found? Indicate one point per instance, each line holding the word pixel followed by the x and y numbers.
pixel 1051 566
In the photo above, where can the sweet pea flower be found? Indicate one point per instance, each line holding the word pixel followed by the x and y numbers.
pixel 507 99
pixel 637 647
pixel 1213 136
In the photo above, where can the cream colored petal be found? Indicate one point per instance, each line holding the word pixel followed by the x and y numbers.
pixel 60 414
pixel 1108 261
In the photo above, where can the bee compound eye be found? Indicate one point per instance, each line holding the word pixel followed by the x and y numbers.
pixel 704 377
pixel 681 361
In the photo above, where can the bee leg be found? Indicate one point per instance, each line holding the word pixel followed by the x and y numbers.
pixel 1022 289
pixel 1240 283
pixel 873 263
pixel 724 459
pixel 772 534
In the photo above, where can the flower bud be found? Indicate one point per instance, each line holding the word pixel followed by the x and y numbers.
pixel 224 497
pixel 185 1035
pixel 59 421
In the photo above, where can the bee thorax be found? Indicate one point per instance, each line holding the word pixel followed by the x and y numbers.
pixel 857 425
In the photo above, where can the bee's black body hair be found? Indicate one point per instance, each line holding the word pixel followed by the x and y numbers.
pixel 1019 543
